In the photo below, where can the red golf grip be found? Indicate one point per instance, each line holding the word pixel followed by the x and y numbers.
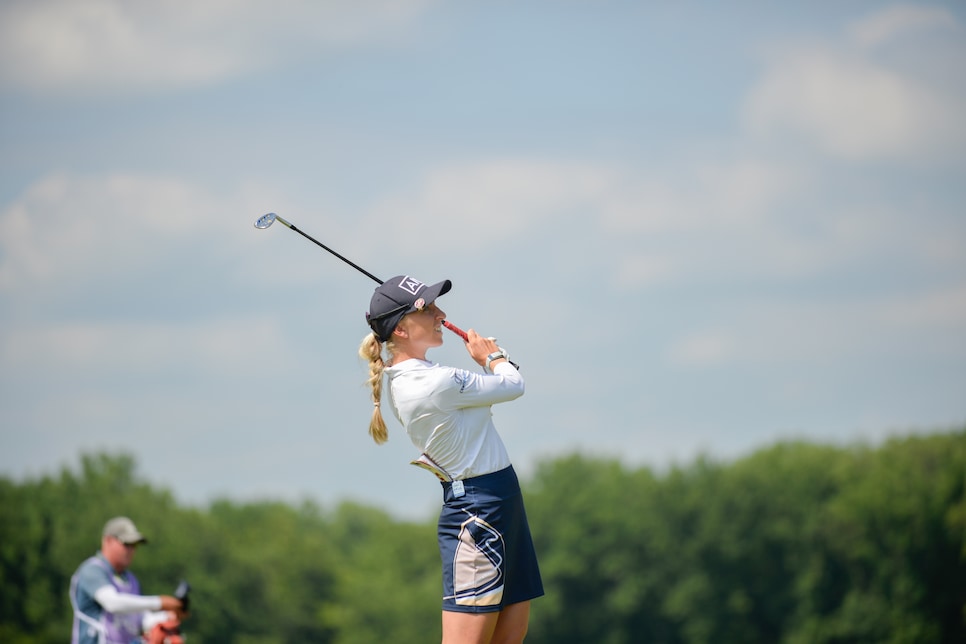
pixel 455 329
pixel 461 333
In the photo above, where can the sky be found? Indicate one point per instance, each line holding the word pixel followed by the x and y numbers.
pixel 700 228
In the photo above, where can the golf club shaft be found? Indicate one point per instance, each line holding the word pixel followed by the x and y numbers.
pixel 320 244
pixel 449 325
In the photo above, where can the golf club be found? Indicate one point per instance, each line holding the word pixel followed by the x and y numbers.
pixel 270 218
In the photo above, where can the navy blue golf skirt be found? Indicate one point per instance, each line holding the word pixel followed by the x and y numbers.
pixel 485 545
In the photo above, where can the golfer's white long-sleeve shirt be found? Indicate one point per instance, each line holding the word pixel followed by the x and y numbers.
pixel 446 412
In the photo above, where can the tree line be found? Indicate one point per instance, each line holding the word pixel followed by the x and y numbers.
pixel 797 543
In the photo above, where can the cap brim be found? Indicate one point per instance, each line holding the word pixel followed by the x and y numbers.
pixel 130 539
pixel 434 291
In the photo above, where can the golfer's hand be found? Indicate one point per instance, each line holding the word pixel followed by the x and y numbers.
pixel 479 347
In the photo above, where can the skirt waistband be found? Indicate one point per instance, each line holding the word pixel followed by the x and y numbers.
pixel 497 483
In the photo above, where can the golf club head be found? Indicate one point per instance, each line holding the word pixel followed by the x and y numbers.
pixel 181 592
pixel 265 220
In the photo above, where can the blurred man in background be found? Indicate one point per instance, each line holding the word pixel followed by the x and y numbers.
pixel 106 596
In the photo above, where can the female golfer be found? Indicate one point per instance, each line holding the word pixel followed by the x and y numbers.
pixel 490 571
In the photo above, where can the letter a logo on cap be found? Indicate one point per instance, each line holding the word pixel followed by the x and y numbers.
pixel 411 285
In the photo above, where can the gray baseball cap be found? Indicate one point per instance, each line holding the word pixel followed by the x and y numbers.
pixel 124 530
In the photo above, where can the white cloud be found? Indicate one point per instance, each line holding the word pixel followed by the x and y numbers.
pixel 852 103
pixel 740 220
pixel 704 349
pixel 693 216
pixel 104 348
pixel 66 226
pixel 695 194
pixel 501 199
pixel 783 333
pixel 635 271
pixel 852 109
pixel 67 231
pixel 491 200
pixel 136 46
pixel 940 310
pixel 895 22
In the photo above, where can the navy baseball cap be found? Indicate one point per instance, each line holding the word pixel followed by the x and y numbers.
pixel 398 296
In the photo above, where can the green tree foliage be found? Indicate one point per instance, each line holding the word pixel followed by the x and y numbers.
pixel 597 532
pixel 795 543
pixel 389 588
pixel 895 538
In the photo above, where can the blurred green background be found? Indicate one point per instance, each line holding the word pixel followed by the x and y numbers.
pixel 796 543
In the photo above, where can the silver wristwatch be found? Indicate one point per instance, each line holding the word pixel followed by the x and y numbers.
pixel 496 355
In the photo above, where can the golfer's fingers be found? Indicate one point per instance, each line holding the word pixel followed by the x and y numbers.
pixel 478 342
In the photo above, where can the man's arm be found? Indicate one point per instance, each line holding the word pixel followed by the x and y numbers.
pixel 115 602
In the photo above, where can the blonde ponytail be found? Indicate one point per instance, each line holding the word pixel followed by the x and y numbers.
pixel 371 351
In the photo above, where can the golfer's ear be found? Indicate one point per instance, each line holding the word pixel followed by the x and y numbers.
pixel 401 332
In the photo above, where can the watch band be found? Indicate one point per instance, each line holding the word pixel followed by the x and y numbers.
pixel 496 355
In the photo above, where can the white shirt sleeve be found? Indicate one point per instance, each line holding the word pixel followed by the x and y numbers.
pixel 115 602
pixel 472 389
